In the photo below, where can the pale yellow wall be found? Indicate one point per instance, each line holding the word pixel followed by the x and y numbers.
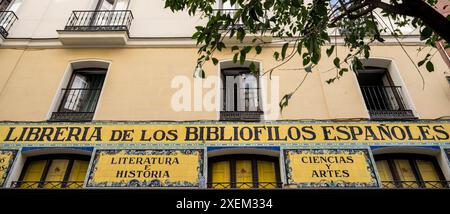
pixel 8 60
pixel 138 82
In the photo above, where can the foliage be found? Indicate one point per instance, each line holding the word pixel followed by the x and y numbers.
pixel 302 29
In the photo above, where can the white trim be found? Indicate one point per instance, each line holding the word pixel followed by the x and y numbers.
pixel 141 42
pixel 361 96
pixel 103 89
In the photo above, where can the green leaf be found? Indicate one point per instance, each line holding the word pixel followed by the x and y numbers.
pixel 268 4
pixel 430 66
pixel 425 33
pixel 276 55
pixel 330 51
pixel 424 60
pixel 330 80
pixel 240 34
pixel 306 60
pixel 337 62
pixel 258 49
pixel 283 50
pixel 342 71
pixel 357 64
pixel 252 68
pixel 235 57
pixel 285 101
pixel 367 52
pixel 242 57
pixel 215 61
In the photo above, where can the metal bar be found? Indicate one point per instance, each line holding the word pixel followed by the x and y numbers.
pixel 416 184
pixel 99 20
pixel 47 184
pixel 385 102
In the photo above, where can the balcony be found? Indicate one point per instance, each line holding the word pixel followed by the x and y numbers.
pixel 97 27
pixel 386 103
pixel 7 19
pixel 416 184
pixel 77 105
pixel 245 185
pixel 46 184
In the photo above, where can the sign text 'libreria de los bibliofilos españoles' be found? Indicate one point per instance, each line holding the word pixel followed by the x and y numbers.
pixel 225 133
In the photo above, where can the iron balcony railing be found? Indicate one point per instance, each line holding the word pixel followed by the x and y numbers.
pixel 416 184
pixel 386 102
pixel 78 104
pixel 7 19
pixel 99 20
pixel 46 184
pixel 232 12
pixel 245 185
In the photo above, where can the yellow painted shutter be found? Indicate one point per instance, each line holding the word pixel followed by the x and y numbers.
pixel 385 173
pixel 56 173
pixel 78 173
pixel 221 174
pixel 406 173
pixel 429 173
pixel 34 173
pixel 266 174
pixel 244 175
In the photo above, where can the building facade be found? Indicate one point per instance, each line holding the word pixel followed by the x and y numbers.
pixel 100 94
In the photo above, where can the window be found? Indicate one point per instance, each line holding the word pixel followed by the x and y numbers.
pixel 383 98
pixel 240 95
pixel 409 171
pixel 112 5
pixel 54 171
pixel 80 98
pixel 226 8
pixel 239 171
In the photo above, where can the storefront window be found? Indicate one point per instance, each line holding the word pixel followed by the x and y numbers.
pixel 243 172
pixel 409 171
pixel 53 171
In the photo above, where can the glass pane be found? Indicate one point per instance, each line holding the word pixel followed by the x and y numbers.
pixel 56 173
pixel 4 4
pixel 385 174
pixel 78 173
pixel 249 92
pixel 244 175
pixel 34 174
pixel 406 174
pixel 106 4
pixel 83 93
pixel 266 174
pixel 429 174
pixel 221 175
